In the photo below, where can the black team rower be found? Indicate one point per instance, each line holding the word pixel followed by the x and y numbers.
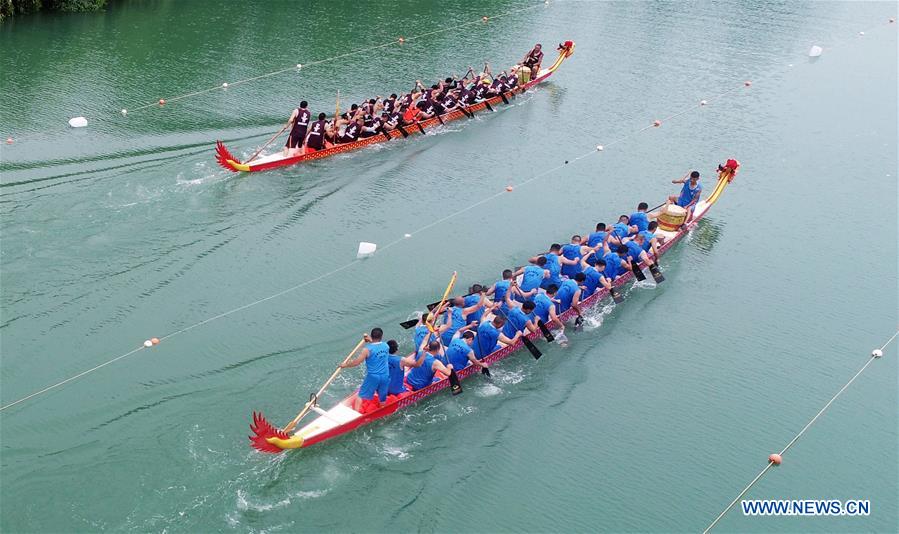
pixel 315 139
pixel 532 60
pixel 299 124
pixel 352 131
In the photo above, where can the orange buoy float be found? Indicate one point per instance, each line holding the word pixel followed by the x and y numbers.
pixel 509 188
pixel 9 140
pixel 485 19
pixel 775 458
pixel 154 340
pixel 161 101
pixel 657 123
pixel 402 40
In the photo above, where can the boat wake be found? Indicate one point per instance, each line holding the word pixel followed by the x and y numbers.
pixel 245 504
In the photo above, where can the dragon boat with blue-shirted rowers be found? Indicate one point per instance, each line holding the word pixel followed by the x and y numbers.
pixel 341 418
pixel 273 161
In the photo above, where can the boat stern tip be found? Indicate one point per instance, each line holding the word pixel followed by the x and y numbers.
pixel 268 438
pixel 227 161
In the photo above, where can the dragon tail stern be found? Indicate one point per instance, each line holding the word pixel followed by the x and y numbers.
pixel 268 438
pixel 225 159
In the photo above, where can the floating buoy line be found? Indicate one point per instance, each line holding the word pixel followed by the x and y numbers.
pixel 371 248
pixel 81 121
pixel 776 458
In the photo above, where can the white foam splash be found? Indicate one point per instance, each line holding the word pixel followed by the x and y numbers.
pixel 488 390
pixel 244 504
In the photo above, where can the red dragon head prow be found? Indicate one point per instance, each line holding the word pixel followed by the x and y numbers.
pixel 262 430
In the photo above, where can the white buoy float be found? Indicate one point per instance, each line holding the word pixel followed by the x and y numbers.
pixel 815 51
pixel 366 249
pixel 877 353
pixel 77 122
pixel 600 148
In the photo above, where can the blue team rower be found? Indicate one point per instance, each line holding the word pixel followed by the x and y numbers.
pixel 640 218
pixel 456 317
pixel 689 193
pixel 489 336
pixel 615 263
pixel 377 375
pixel 520 319
pixel 460 354
pixel 426 366
pixel 532 277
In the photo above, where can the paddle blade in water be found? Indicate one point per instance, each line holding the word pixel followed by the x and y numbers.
pixel 545 331
pixel 455 383
pixel 616 296
pixel 638 272
pixel 535 352
pixel 485 371
pixel 656 274
pixel 409 324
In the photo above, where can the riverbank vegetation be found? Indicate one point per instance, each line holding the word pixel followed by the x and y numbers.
pixel 9 8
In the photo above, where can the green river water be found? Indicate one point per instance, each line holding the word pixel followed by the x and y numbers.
pixel 652 419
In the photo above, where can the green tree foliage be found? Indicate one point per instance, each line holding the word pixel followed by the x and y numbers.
pixel 9 8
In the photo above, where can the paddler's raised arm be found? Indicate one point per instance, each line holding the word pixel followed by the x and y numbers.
pixel 476 306
pixel 358 359
pixel 416 362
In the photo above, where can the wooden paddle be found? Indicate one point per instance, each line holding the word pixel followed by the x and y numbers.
pixel 455 383
pixel 268 142
pixel 314 399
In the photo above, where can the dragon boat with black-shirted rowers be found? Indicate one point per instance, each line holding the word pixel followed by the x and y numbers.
pixel 674 224
pixel 278 159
